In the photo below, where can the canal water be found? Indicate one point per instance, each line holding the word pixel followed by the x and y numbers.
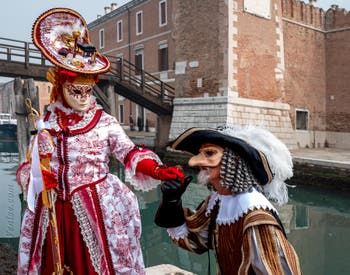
pixel 317 222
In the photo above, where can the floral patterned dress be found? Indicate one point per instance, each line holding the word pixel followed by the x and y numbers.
pixel 97 215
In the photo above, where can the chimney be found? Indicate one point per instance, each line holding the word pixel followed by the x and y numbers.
pixel 99 16
pixel 312 2
pixel 107 10
pixel 334 7
pixel 113 6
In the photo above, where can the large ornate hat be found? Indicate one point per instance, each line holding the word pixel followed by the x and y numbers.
pixel 62 36
pixel 268 157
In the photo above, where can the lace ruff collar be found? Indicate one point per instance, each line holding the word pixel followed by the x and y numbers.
pixel 87 115
pixel 233 207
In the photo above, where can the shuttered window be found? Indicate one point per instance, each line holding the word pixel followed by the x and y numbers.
pixel 139 23
pixel 162 13
pixel 163 59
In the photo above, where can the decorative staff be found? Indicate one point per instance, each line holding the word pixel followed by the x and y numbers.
pixel 40 155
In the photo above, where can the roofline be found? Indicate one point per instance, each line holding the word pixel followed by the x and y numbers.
pixel 114 13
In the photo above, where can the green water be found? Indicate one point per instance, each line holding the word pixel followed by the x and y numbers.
pixel 317 222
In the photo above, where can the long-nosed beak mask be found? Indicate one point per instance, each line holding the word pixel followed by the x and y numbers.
pixel 209 155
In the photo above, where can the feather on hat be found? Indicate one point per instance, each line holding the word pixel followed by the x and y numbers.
pixel 62 36
pixel 269 158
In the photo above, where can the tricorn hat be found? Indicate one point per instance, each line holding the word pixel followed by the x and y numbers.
pixel 62 36
pixel 191 140
pixel 268 157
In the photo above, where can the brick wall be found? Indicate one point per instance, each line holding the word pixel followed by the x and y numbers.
pixel 44 89
pixel 201 38
pixel 305 73
pixel 258 54
pixel 338 68
pixel 298 55
pixel 149 42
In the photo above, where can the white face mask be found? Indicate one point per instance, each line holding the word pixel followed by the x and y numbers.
pixel 78 97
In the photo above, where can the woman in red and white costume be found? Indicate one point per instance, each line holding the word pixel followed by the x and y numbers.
pixel 98 218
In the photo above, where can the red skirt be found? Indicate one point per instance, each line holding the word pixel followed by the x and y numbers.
pixel 75 255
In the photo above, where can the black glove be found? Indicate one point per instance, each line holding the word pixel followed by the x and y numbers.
pixel 170 212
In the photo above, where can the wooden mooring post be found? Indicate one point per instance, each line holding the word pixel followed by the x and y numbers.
pixel 24 89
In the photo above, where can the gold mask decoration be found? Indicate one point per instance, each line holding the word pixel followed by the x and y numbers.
pixel 78 97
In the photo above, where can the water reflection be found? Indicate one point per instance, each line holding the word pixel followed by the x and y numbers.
pixel 320 232
pixel 10 206
pixel 317 223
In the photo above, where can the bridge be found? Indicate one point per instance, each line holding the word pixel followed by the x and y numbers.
pixel 22 59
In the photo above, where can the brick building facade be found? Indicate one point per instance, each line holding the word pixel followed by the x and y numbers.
pixel 140 32
pixel 7 96
pixel 278 63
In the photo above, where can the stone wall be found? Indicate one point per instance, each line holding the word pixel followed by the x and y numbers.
pixel 215 111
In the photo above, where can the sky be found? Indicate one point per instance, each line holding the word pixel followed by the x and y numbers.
pixel 17 16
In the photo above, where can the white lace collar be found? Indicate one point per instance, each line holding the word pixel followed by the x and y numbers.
pixel 87 115
pixel 233 207
pixel 67 110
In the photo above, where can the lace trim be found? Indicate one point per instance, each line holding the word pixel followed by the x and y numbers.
pixel 179 232
pixel 87 116
pixel 140 181
pixel 233 207
pixel 87 232
pixel 45 221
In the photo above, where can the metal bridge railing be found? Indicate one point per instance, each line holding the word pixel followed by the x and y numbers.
pixel 127 72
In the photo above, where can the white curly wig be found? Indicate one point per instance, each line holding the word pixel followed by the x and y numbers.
pixel 276 152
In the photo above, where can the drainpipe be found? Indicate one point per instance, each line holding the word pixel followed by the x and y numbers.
pixel 129 39
pixel 129 53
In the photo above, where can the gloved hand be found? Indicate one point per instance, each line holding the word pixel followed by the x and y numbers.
pixel 163 172
pixel 170 212
pixel 173 189
pixel 49 179
pixel 160 172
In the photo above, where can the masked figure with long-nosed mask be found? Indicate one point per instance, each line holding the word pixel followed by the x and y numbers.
pixel 244 167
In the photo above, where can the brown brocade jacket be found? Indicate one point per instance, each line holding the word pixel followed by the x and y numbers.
pixel 232 243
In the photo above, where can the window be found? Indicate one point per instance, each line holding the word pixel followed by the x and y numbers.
pixel 139 23
pixel 102 38
pixel 301 120
pixel 121 113
pixel 162 13
pixel 163 59
pixel 139 62
pixel 120 30
pixel 119 64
